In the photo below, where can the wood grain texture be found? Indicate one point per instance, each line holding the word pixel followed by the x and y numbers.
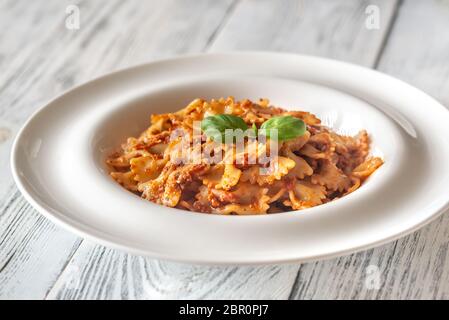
pixel 333 29
pixel 417 266
pixel 40 58
pixel 99 273
pixel 32 251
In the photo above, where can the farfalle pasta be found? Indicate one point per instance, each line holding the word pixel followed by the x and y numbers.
pixel 166 163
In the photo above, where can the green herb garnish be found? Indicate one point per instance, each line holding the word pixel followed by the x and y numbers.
pixel 287 127
pixel 220 126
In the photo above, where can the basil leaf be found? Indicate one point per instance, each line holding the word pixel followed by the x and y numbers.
pixel 219 126
pixel 287 127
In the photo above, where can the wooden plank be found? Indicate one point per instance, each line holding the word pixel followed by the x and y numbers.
pixel 39 59
pixel 417 266
pixel 32 250
pixel 107 274
pixel 333 29
pixel 102 273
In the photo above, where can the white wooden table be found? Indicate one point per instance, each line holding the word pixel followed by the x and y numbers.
pixel 40 57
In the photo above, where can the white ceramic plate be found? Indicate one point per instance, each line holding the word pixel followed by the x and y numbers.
pixel 58 159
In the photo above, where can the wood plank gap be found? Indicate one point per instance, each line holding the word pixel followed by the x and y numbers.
pixel 64 268
pixel 387 34
pixel 220 27
pixel 6 263
pixel 295 287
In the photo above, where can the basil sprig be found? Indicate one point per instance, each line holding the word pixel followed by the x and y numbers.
pixel 220 126
pixel 287 127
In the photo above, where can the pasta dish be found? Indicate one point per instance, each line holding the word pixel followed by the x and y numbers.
pixel 241 157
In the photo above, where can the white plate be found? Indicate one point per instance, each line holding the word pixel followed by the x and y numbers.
pixel 58 159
